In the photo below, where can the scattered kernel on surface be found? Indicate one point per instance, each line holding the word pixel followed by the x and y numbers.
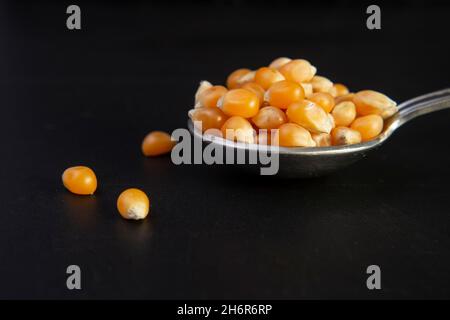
pixel 282 93
pixel 343 135
pixel 233 80
pixel 238 129
pixel 369 126
pixel 298 70
pixel 133 204
pixel 344 113
pixel 256 89
pixel 210 118
pixel 321 139
pixel 157 143
pixel 265 77
pixel 323 100
pixel 240 102
pixel 80 180
pixel 279 62
pixel 269 118
pixel 307 114
pixel 373 102
pixel 293 135
pixel 209 97
pixel 321 84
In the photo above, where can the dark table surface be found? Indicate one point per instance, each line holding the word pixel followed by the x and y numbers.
pixel 89 96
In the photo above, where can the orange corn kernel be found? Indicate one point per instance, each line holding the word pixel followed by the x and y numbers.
pixel 309 115
pixel 269 118
pixel 321 139
pixel 293 135
pixel 240 102
pixel 256 89
pixel 279 62
pixel 344 113
pixel 234 78
pixel 344 135
pixel 282 93
pixel 369 126
pixel 372 102
pixel 238 129
pixel 339 90
pixel 209 97
pixel 321 84
pixel 265 77
pixel 345 97
pixel 156 143
pixel 80 180
pixel 211 118
pixel 307 87
pixel 133 204
pixel 323 100
pixel 298 70
pixel 333 124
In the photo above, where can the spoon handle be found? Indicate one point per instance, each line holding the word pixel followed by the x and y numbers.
pixel 421 105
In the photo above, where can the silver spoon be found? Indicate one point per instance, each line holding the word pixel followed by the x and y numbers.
pixel 302 162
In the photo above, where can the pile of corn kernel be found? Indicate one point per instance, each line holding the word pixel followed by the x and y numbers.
pixel 307 109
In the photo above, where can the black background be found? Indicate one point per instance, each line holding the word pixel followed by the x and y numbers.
pixel 89 97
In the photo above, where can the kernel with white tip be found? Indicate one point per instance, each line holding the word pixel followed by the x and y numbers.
pixel 133 204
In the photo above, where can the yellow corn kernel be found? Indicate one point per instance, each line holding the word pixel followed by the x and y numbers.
pixel 307 87
pixel 203 86
pixel 344 135
pixel 298 70
pixel 238 129
pixel 372 102
pixel 369 126
pixel 293 135
pixel 339 90
pixel 133 204
pixel 333 124
pixel 309 115
pixel 282 93
pixel 240 102
pixel 323 100
pixel 256 89
pixel 321 84
pixel 269 118
pixel 157 143
pixel 321 139
pixel 80 180
pixel 345 97
pixel 211 118
pixel 233 80
pixel 209 97
pixel 344 113
pixel 279 62
pixel 265 77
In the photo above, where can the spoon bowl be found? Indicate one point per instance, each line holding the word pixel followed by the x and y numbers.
pixel 306 162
